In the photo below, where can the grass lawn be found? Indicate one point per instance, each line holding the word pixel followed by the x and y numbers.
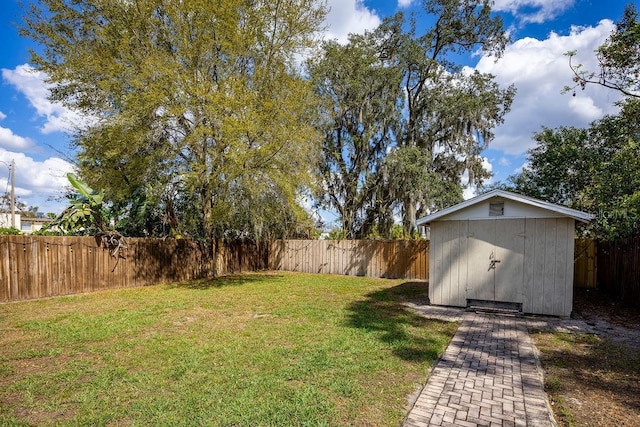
pixel 255 349
pixel 591 381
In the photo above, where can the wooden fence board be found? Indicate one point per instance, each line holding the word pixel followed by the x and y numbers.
pixel 393 259
pixel 43 277
pixel 618 269
pixel 41 266
pixel 5 278
pixel 585 263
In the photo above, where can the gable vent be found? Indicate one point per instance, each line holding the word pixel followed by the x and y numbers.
pixel 496 208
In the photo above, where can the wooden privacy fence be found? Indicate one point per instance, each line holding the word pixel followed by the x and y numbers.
pixel 619 269
pixel 408 259
pixel 584 267
pixel 37 267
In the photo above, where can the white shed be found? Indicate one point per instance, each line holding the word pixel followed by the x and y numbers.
pixel 503 248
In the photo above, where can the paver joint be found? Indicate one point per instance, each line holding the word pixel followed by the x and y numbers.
pixel 489 375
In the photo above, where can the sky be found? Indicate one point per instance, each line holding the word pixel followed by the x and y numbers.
pixel 34 132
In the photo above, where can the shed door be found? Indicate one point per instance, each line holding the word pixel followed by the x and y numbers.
pixel 496 260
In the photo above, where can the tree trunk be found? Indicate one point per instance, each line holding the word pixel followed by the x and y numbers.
pixel 408 216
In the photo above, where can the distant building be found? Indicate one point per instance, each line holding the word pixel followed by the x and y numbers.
pixel 30 225
pixel 5 220
pixel 24 224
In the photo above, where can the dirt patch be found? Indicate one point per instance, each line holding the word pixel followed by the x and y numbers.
pixel 593 379
pixel 37 417
pixel 593 304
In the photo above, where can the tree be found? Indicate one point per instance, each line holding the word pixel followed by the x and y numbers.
pixel 5 203
pixel 199 113
pixel 403 121
pixel 559 167
pixel 618 57
pixel 360 82
pixel 450 113
pixel 453 120
pixel 595 169
pixel 20 206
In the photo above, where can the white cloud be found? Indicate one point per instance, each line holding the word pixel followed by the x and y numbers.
pixel 469 193
pixel 520 168
pixel 36 181
pixel 540 70
pixel 31 83
pixel 470 190
pixel 10 140
pixel 349 16
pixel 486 164
pixel 535 11
pixel 404 3
pixel 2 115
pixel 585 108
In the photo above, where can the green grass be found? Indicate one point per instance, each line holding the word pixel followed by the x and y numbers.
pixel 590 380
pixel 256 349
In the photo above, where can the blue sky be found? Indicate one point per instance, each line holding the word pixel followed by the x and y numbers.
pixel 33 131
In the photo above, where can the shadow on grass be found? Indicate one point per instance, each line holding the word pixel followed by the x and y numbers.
pixel 606 373
pixel 586 354
pixel 226 281
pixel 411 337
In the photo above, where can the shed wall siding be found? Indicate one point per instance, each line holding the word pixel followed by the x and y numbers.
pixel 544 284
pixel 509 273
pixel 447 268
pixel 548 266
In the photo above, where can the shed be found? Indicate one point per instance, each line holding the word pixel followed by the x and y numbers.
pixel 502 248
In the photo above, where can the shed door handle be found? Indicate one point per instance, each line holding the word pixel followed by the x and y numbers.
pixel 492 261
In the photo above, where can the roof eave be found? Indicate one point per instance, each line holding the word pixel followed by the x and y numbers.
pixel 568 212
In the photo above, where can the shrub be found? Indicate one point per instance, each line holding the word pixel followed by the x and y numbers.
pixel 9 231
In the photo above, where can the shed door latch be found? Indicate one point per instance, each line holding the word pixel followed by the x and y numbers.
pixel 493 261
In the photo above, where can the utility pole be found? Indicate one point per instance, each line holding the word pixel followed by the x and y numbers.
pixel 13 193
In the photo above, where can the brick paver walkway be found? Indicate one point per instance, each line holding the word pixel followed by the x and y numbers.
pixel 488 376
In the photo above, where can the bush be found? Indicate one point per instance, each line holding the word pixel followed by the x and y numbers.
pixel 47 232
pixel 9 231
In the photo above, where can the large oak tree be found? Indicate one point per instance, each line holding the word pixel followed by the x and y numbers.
pixel 361 85
pixel 404 122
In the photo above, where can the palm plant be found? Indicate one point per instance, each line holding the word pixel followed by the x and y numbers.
pixel 86 215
